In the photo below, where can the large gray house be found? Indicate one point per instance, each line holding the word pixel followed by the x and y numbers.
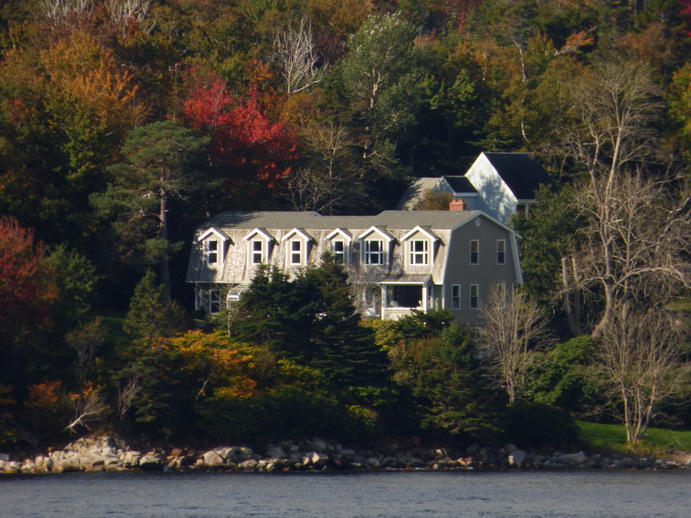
pixel 396 260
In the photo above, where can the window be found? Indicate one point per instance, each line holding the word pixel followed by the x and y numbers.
pixel 501 251
pixel 419 251
pixel 374 252
pixel 456 296
pixel 296 252
pixel 474 296
pixel 212 251
pixel 474 251
pixel 214 301
pixel 339 251
pixel 404 296
pixel 257 251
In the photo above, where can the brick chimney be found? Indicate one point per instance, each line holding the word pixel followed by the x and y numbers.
pixel 458 205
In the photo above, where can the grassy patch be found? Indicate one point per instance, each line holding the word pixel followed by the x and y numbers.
pixel 613 436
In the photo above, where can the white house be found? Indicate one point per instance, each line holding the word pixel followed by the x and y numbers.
pixel 499 184
pixel 396 260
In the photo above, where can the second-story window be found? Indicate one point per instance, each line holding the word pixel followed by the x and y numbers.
pixel 339 251
pixel 474 251
pixel 501 251
pixel 374 252
pixel 212 251
pixel 419 251
pixel 257 251
pixel 296 252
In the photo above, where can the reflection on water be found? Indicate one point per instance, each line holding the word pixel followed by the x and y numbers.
pixel 389 494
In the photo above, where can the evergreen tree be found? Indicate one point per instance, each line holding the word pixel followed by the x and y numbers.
pixel 150 314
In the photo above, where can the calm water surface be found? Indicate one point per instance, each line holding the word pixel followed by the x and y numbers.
pixel 370 495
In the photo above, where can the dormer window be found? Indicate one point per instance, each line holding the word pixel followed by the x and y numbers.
pixel 376 245
pixel 213 243
pixel 258 246
pixel 374 251
pixel 418 251
pixel 212 251
pixel 419 246
pixel 338 248
pixel 297 247
pixel 296 252
pixel 339 244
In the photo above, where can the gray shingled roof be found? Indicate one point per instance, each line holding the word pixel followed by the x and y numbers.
pixel 393 219
pixel 416 192
pixel 460 184
pixel 521 172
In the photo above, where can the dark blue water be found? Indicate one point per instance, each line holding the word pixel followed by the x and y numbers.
pixel 389 494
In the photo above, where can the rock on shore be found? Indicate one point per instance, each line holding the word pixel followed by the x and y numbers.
pixel 113 454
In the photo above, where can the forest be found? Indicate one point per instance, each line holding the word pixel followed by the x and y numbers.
pixel 124 124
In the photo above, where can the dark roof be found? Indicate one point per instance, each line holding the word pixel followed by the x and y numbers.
pixel 460 184
pixel 521 172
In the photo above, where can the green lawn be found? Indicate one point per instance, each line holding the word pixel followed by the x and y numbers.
pixel 613 436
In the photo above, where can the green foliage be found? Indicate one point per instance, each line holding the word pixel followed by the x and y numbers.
pixel 313 321
pixel 562 377
pixel 539 426
pixel 76 280
pixel 150 315
pixel 159 162
pixel 447 381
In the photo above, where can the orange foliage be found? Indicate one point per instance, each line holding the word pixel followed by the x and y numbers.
pixel 44 395
pixel 222 368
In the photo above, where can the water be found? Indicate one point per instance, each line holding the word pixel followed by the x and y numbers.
pixel 354 495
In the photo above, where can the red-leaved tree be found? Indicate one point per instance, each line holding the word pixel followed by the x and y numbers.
pixel 247 148
pixel 27 289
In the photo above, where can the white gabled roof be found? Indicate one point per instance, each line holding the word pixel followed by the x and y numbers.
pixel 213 231
pixel 262 232
pixel 431 235
pixel 340 232
pixel 299 231
pixel 382 232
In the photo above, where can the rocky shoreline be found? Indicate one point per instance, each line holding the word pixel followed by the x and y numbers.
pixel 113 454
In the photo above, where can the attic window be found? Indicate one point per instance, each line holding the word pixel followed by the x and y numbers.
pixel 212 251
pixel 257 251
pixel 419 252
pixel 339 251
pixel 374 251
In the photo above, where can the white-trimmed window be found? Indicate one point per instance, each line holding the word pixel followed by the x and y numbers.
pixel 214 301
pixel 257 251
pixel 374 251
pixel 212 251
pixel 501 251
pixel 474 251
pixel 455 296
pixel 418 252
pixel 338 248
pixel 474 296
pixel 295 257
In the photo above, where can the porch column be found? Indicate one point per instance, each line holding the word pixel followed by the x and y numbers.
pixel 425 297
pixel 384 302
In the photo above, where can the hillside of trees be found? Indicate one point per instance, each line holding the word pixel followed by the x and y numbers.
pixel 124 124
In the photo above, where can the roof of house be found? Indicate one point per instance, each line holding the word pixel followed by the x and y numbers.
pixel 417 191
pixel 521 172
pixel 392 219
pixel 460 184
